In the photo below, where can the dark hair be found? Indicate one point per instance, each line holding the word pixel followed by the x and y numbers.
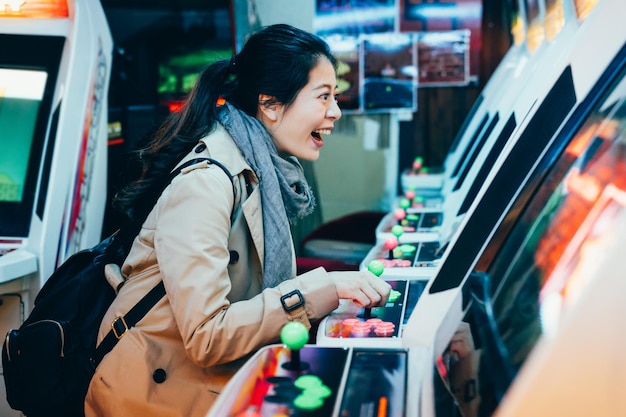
pixel 275 61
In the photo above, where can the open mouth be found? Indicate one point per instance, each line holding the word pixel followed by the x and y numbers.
pixel 317 134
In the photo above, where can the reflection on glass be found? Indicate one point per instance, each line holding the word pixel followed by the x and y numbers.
pixel 534 23
pixel 584 7
pixel 555 18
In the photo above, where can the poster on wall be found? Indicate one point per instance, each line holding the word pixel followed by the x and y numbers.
pixel 389 71
pixel 446 15
pixel 353 18
pixel 443 58
pixel 348 52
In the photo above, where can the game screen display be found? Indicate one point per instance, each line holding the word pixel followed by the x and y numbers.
pixel 542 265
pixel 21 92
pixel 178 73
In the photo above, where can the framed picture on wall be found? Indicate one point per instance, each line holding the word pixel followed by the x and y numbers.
pixel 389 71
pixel 443 58
pixel 443 16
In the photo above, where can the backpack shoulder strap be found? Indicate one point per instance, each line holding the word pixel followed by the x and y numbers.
pixel 210 161
pixel 122 324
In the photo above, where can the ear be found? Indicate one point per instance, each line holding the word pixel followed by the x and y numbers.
pixel 268 108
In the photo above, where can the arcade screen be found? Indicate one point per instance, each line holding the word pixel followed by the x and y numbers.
pixel 178 71
pixel 21 92
pixel 559 233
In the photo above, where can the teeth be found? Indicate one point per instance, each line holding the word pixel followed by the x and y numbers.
pixel 323 131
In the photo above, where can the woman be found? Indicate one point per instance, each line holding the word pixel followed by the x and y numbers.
pixel 222 245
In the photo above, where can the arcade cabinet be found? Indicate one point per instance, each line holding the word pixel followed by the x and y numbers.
pixel 537 331
pixel 54 77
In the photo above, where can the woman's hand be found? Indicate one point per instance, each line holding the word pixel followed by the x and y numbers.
pixel 362 287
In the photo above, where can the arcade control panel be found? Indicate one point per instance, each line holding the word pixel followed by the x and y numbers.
pixel 416 226
pixel 402 259
pixel 294 379
pixel 350 325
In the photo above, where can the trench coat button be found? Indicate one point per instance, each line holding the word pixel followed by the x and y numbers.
pixel 234 257
pixel 200 148
pixel 159 376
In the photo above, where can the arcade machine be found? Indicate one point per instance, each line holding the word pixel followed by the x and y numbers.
pixel 536 332
pixel 557 250
pixel 54 77
pixel 539 76
pixel 505 102
pixel 490 216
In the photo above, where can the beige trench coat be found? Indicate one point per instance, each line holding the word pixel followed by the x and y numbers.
pixel 178 358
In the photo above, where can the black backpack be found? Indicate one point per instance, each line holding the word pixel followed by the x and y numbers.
pixel 49 361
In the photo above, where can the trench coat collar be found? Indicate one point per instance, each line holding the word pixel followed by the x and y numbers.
pixel 221 147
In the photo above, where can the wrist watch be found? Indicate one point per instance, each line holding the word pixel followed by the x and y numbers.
pixel 293 304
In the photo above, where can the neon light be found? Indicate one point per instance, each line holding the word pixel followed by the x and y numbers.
pixel 382 407
pixel 34 9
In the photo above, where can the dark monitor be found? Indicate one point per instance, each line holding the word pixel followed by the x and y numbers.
pixel 512 175
pixel 470 116
pixel 488 164
pixel 27 82
pixel 480 145
pixel 547 259
pixel 471 146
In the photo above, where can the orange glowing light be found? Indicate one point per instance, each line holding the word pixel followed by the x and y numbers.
pixel 585 186
pixel 34 9
pixel 382 407
pixel 555 19
pixel 584 7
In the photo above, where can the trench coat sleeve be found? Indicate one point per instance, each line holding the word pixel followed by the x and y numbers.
pixel 191 244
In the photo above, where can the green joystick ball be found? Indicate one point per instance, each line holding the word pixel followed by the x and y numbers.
pixel 397 230
pixel 376 267
pixel 295 335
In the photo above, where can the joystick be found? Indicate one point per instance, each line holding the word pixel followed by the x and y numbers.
pixel 390 244
pixel 377 268
pixel 295 335
pixel 397 231
pixel 418 165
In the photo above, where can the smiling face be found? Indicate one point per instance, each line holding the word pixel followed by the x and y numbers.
pixel 299 129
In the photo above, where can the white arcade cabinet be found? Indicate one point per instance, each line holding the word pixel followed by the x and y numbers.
pixel 55 63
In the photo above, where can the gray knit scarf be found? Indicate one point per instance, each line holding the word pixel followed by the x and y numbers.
pixel 285 193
